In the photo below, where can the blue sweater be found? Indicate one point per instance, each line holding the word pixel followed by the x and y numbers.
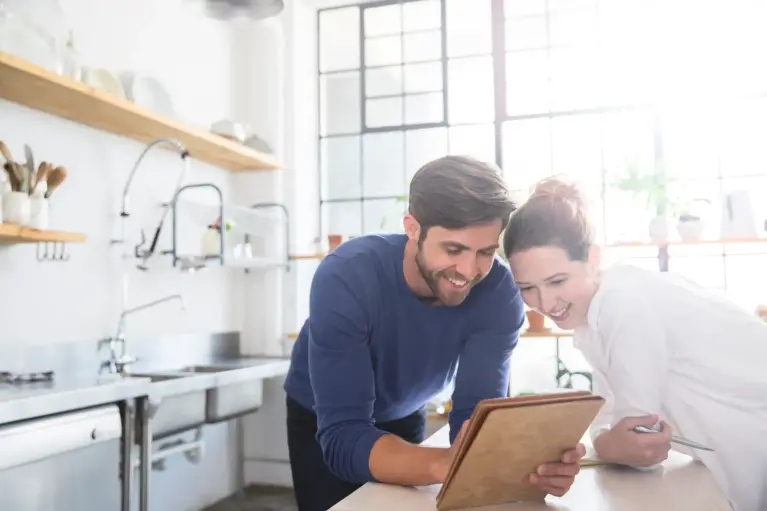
pixel 371 351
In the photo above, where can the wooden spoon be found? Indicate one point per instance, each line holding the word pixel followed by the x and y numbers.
pixel 5 152
pixel 55 178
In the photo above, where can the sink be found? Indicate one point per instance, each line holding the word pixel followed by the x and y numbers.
pixel 178 402
pixel 237 392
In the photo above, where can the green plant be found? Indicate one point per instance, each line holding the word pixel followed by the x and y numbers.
pixel 652 185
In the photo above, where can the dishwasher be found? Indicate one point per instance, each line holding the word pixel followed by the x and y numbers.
pixel 66 462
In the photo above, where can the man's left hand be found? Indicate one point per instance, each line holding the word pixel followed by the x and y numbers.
pixel 556 478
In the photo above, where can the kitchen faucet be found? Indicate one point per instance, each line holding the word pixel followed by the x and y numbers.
pixel 141 253
pixel 117 364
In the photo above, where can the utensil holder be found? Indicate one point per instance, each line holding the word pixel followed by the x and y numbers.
pixel 16 208
pixel 38 213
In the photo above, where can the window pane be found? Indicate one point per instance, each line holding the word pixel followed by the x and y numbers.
pixel 383 215
pixel 422 46
pixel 383 81
pixel 423 77
pixel 575 79
pixel 519 8
pixel 341 167
pixel 627 217
pixel 477 141
pixel 383 112
pixel 423 146
pixel 470 90
pixel 577 147
pixel 340 103
pixel 628 141
pixel 526 152
pixel 383 20
pixel 383 51
pixel 690 143
pixel 422 15
pixel 468 27
pixel 383 160
pixel 339 39
pixel 526 33
pixel 424 108
pixel 573 28
pixel 344 218
pixel 744 151
pixel 527 82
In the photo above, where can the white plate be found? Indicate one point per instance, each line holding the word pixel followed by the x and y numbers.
pixel 149 93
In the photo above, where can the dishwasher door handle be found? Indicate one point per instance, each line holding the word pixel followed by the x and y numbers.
pixel 37 439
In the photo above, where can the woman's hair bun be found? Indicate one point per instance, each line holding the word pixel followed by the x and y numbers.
pixel 557 188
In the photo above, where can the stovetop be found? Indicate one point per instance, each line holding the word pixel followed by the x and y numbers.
pixel 26 377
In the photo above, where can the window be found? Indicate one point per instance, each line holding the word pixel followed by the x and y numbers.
pixel 585 88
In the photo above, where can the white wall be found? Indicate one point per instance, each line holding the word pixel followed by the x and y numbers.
pixel 204 64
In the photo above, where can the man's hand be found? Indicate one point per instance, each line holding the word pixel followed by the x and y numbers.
pixel 621 444
pixel 557 478
pixel 442 466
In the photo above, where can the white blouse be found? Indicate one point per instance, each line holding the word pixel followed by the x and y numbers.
pixel 658 343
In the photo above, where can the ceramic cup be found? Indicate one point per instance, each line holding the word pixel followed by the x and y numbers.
pixel 16 208
pixel 38 213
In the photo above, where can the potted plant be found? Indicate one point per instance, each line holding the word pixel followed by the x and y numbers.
pixel 654 187
pixel 690 223
pixel 391 221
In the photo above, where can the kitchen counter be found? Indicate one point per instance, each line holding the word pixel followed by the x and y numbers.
pixel 20 402
pixel 680 484
pixel 63 394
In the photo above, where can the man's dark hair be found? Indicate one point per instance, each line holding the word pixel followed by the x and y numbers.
pixel 454 192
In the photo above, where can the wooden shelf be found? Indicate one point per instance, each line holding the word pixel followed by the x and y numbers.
pixel 38 88
pixel 10 233
pixel 307 257
pixel 731 241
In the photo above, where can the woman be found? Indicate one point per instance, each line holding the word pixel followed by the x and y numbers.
pixel 663 350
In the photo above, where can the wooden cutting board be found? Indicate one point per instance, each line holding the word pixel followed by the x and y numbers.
pixel 507 440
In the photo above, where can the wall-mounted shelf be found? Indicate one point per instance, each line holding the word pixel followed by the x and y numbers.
pixel 731 241
pixel 307 257
pixel 10 233
pixel 38 88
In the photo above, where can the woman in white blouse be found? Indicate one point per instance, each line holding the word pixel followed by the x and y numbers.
pixel 665 352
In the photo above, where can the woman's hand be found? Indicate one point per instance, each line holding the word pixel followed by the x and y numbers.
pixel 557 478
pixel 621 444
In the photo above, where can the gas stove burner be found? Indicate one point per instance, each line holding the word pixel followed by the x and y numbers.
pixel 33 377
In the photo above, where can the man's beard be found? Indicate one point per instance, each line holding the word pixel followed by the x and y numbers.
pixel 432 280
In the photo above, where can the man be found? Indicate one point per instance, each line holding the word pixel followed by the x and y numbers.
pixel 392 320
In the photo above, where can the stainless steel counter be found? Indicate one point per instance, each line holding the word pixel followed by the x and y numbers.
pixel 21 402
pixel 30 400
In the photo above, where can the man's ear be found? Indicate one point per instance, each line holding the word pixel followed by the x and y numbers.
pixel 412 227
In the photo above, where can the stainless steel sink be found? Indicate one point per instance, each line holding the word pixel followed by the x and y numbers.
pixel 177 401
pixel 238 391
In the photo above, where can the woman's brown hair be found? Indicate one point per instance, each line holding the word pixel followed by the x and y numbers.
pixel 556 214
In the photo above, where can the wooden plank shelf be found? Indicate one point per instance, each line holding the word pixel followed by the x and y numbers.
pixel 11 233
pixel 723 241
pixel 24 83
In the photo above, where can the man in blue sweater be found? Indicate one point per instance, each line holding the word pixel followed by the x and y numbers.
pixel 393 319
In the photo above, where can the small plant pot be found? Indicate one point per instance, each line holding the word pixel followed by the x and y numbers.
pixel 690 230
pixel 333 241
pixel 536 322
pixel 659 229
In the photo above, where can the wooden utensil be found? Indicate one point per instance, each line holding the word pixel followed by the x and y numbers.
pixel 54 180
pixel 8 166
pixel 5 152
pixel 41 175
